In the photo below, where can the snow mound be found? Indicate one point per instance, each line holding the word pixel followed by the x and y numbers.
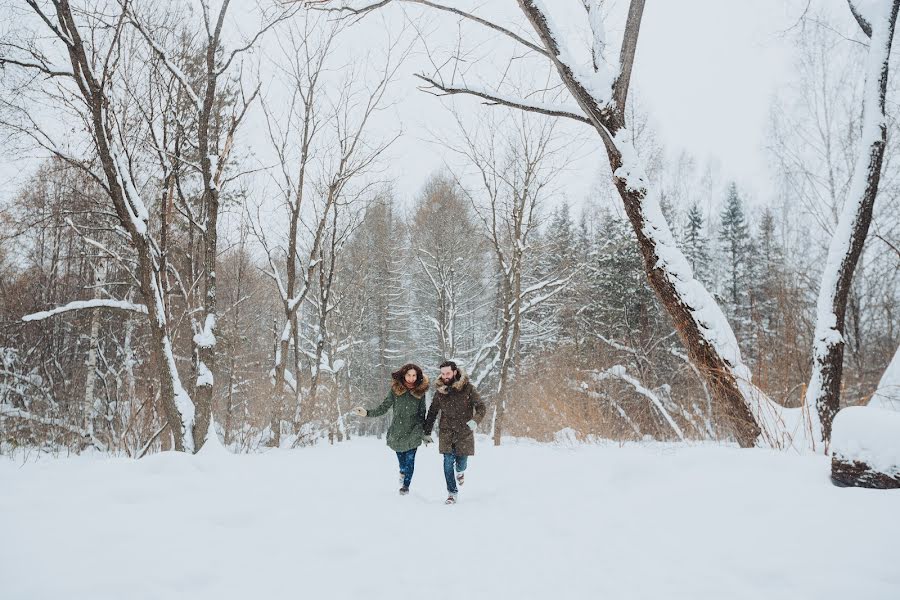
pixel 868 435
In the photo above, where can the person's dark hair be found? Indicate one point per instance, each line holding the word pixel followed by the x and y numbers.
pixel 452 365
pixel 400 373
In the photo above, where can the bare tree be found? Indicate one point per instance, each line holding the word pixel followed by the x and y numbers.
pixel 824 391
pixel 346 216
pixel 213 151
pixel 600 95
pixel 513 174
pixel 322 151
pixel 92 49
pixel 100 53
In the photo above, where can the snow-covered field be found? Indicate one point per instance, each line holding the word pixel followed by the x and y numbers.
pixel 533 521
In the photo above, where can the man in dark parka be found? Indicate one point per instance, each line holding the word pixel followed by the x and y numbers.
pixel 461 410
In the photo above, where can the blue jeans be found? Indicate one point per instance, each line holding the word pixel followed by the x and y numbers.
pixel 407 464
pixel 450 461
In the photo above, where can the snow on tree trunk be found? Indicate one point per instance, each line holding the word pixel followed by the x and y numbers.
pixel 205 342
pixel 823 395
pixel 702 327
pixel 133 216
pixel 90 364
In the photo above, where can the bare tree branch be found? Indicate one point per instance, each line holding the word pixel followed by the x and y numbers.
pixel 496 99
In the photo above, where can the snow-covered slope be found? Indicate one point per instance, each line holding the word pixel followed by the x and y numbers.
pixel 655 521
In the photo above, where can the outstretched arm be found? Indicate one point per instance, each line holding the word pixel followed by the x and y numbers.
pixel 381 408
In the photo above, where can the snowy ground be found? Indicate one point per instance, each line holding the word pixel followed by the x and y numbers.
pixel 533 522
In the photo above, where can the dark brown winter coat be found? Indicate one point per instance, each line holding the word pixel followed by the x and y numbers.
pixel 457 403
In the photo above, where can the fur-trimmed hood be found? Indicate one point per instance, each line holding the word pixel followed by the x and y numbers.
pixel 418 391
pixel 461 380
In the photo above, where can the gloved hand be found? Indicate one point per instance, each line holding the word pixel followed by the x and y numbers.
pixel 360 411
pixel 472 424
pixel 427 439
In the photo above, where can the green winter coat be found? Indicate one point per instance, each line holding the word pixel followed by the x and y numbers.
pixel 408 421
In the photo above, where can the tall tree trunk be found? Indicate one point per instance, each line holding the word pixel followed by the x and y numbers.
pixel 206 341
pixel 177 404
pixel 509 346
pixel 90 365
pixel 716 371
pixel 823 395
pixel 278 393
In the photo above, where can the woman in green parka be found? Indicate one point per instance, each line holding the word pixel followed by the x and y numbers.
pixel 404 436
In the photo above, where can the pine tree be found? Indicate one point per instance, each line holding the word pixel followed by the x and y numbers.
pixel 771 268
pixel 627 308
pixel 736 249
pixel 695 244
pixel 560 256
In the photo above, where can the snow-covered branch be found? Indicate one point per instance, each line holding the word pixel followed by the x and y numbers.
pixel 16 413
pixel 87 304
pixel 170 65
pixel 620 373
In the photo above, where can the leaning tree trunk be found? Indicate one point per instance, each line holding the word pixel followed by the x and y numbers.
pixel 177 405
pixel 697 319
pixel 823 395
pixel 715 370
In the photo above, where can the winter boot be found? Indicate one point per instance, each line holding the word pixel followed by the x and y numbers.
pixel 451 498
pixel 404 490
pixel 460 478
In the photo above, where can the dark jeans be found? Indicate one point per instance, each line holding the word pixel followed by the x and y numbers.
pixel 407 465
pixel 450 461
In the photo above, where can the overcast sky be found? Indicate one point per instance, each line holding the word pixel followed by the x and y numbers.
pixel 706 71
